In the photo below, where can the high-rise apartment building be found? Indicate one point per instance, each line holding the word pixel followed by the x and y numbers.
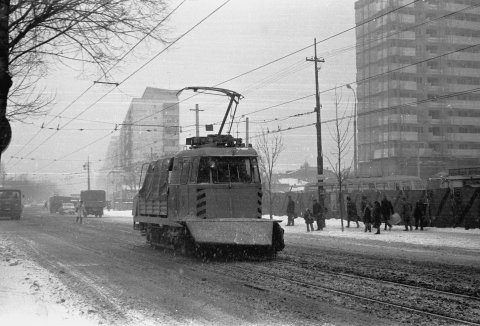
pixel 151 127
pixel 418 83
pixel 150 130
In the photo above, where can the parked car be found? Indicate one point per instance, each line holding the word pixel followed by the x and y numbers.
pixel 67 208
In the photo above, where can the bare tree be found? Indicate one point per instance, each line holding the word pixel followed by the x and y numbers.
pixel 36 34
pixel 3 174
pixel 341 137
pixel 269 147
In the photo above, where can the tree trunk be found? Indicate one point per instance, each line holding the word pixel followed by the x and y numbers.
pixel 270 203
pixel 5 78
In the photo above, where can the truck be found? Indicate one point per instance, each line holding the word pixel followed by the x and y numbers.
pixel 55 203
pixel 11 203
pixel 94 202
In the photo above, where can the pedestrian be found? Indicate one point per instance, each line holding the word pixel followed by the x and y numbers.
pixel 363 204
pixel 290 211
pixel 80 212
pixel 317 214
pixel 406 213
pixel 387 211
pixel 377 216
pixel 308 216
pixel 418 214
pixel 367 214
pixel 351 212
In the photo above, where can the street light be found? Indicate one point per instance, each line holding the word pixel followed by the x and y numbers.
pixel 354 130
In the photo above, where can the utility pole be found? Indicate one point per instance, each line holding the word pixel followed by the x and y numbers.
pixel 321 199
pixel 87 167
pixel 355 162
pixel 197 118
pixel 246 132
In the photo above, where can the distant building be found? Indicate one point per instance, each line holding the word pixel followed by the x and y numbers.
pixel 418 109
pixel 151 127
pixel 150 130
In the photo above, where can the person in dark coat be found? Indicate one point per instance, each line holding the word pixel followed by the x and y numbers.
pixel 308 216
pixel 367 215
pixel 351 212
pixel 418 214
pixel 317 214
pixel 387 211
pixel 406 213
pixel 363 204
pixel 377 216
pixel 290 211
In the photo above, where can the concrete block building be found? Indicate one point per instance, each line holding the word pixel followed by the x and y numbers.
pixel 418 79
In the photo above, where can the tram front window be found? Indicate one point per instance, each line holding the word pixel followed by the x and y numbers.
pixel 228 170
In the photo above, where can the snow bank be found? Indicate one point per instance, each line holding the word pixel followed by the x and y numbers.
pixel 113 213
pixel 30 295
pixel 445 237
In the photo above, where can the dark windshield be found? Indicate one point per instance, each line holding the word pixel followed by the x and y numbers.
pixel 229 169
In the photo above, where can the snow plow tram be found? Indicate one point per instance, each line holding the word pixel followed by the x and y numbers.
pixel 208 196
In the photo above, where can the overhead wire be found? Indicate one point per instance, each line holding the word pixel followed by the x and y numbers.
pixel 352 82
pixel 142 66
pixel 310 46
pixel 380 110
pixel 294 52
pixel 91 86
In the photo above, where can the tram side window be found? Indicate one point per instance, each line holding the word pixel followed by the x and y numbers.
pixel 176 171
pixel 204 170
pixel 254 169
pixel 194 171
pixel 185 172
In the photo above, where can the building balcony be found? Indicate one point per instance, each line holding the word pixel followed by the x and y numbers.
pixel 435 121
pixel 399 118
pixel 407 85
pixel 457 39
pixel 463 137
pixel 474 153
pixel 464 121
pixel 461 104
pixel 436 138
pixel 464 56
pixel 399 135
pixel 449 6
pixel 464 72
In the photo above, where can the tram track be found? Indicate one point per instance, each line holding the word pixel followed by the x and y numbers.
pixel 430 275
pixel 300 276
pixel 376 279
pixel 374 298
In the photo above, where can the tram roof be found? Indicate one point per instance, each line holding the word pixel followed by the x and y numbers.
pixel 217 151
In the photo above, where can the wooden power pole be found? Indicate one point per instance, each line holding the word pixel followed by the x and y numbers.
pixel 197 120
pixel 321 197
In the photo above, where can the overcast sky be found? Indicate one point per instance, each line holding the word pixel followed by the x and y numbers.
pixel 241 36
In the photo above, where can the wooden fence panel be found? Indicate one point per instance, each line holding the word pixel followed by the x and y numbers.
pixel 444 207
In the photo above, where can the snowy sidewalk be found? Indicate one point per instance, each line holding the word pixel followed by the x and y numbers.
pixel 444 237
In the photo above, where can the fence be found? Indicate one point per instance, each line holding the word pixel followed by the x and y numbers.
pixel 459 207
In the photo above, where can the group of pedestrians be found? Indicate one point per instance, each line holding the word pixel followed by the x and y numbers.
pixel 382 212
pixel 310 216
pixel 372 215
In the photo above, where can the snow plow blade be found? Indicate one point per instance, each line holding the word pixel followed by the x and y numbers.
pixel 232 231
